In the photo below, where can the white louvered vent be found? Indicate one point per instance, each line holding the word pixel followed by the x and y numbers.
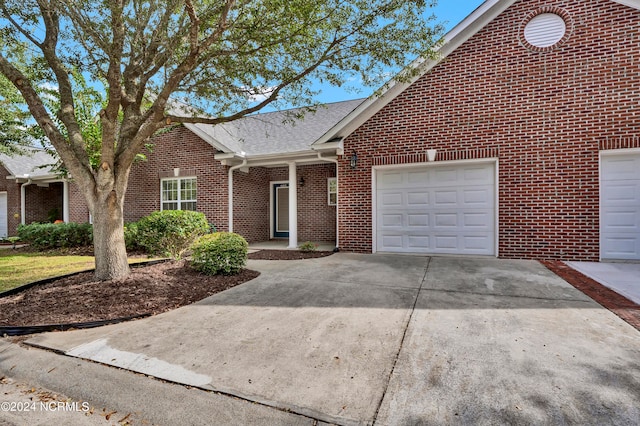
pixel 545 30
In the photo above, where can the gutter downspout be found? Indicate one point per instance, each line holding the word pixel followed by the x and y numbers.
pixel 23 198
pixel 335 161
pixel 230 196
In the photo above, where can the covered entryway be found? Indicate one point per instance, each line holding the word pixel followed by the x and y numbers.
pixel 439 209
pixel 4 229
pixel 620 206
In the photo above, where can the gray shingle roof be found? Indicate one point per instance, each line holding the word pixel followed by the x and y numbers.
pixel 276 132
pixel 29 163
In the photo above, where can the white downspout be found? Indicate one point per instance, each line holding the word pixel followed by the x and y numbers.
pixel 230 196
pixel 333 160
pixel 23 197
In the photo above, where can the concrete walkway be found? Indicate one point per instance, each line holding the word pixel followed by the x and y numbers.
pixel 362 339
pixel 623 278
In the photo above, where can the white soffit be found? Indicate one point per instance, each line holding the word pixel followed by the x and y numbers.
pixel 631 3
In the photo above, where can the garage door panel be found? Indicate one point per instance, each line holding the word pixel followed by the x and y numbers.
pixel 417 178
pixel 451 212
pixel 478 197
pixel 419 242
pixel 418 198
pixel 620 207
pixel 621 168
pixel 418 219
pixel 625 193
pixel 446 198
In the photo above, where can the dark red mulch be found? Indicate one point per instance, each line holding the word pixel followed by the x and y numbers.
pixel 616 303
pixel 287 254
pixel 147 290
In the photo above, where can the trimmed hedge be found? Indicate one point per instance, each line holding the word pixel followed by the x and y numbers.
pixel 169 232
pixel 219 253
pixel 51 236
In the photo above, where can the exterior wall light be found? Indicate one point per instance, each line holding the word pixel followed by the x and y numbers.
pixel 354 160
pixel 301 181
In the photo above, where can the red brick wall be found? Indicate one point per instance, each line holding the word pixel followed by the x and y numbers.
pixel 251 204
pixel 178 148
pixel 544 113
pixel 78 208
pixel 316 218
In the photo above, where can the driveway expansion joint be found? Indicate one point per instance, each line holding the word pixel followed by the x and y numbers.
pixel 404 335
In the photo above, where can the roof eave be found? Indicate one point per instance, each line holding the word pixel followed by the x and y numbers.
pixel 208 138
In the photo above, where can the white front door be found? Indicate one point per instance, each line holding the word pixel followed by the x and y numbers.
pixel 620 206
pixel 439 209
pixel 4 229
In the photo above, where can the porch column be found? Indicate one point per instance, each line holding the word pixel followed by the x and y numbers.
pixel 293 207
pixel 65 201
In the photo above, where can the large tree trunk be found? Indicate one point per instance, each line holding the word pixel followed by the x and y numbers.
pixel 108 238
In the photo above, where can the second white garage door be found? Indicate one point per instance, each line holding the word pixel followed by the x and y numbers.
pixel 620 207
pixel 443 209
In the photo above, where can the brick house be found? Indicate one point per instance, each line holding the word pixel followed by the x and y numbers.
pixel 522 140
pixel 532 117
pixel 282 188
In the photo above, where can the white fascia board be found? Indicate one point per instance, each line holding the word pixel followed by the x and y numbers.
pixel 631 3
pixel 207 138
pixel 329 146
pixel 478 19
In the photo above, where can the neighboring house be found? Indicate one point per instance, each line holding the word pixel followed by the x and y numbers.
pixel 30 191
pixel 533 116
pixel 522 140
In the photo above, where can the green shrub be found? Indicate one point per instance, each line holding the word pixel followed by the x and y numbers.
pixel 219 253
pixel 50 235
pixel 131 236
pixel 308 246
pixel 170 232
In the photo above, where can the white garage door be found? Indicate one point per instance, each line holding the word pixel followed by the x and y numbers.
pixel 620 207
pixel 3 214
pixel 436 209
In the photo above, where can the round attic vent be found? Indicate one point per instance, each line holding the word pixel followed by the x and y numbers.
pixel 545 30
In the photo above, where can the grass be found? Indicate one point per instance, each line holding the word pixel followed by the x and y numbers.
pixel 19 268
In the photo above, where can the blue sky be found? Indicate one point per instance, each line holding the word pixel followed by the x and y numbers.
pixel 449 12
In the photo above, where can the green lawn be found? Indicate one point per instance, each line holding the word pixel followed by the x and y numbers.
pixel 21 268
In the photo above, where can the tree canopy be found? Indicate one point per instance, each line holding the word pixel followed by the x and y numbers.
pixel 226 58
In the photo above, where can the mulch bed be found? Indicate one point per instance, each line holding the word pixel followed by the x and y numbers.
pixel 287 254
pixel 147 290
pixel 616 303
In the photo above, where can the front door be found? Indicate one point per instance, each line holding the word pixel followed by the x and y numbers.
pixel 280 210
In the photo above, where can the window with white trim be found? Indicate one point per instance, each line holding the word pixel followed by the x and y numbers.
pixel 178 194
pixel 332 191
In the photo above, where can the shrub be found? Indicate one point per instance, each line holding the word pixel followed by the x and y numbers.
pixel 170 232
pixel 308 246
pixel 50 236
pixel 219 253
pixel 131 236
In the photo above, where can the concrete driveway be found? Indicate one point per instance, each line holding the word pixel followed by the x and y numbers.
pixel 390 340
